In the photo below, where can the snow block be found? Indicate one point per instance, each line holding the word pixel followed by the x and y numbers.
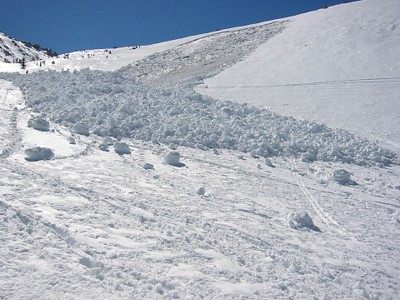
pixel 122 148
pixel 82 129
pixel 39 153
pixel 269 163
pixel 173 158
pixel 104 147
pixel 39 124
pixel 301 220
pixel 148 166
pixel 342 177
pixel 201 191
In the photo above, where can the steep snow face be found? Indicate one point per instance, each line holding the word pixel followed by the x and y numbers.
pixel 339 66
pixel 12 50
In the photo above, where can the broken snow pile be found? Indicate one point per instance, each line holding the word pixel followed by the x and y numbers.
pixel 113 105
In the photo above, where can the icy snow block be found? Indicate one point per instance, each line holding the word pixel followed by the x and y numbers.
pixel 82 129
pixel 269 163
pixel 342 177
pixel 122 148
pixel 148 166
pixel 38 153
pixel 104 147
pixel 201 191
pixel 301 220
pixel 39 124
pixel 173 158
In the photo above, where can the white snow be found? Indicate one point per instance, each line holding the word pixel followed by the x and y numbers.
pixel 338 66
pixel 12 50
pixel 240 220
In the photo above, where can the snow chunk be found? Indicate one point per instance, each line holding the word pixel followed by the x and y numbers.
pixel 39 124
pixel 82 129
pixel 173 158
pixel 342 177
pixel 122 148
pixel 201 191
pixel 269 163
pixel 105 144
pixel 301 220
pixel 39 153
pixel 148 166
pixel 104 147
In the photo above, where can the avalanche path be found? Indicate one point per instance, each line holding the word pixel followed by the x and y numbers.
pixel 94 224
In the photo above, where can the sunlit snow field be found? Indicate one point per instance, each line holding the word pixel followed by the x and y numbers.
pixel 216 199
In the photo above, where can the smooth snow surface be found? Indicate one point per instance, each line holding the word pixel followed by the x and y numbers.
pixel 261 206
pixel 338 66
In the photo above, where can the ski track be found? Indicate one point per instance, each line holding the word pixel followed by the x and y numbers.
pixel 325 217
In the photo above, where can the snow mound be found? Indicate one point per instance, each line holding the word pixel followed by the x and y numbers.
pixel 342 177
pixel 173 158
pixel 38 153
pixel 301 220
pixel 122 148
pixel 39 124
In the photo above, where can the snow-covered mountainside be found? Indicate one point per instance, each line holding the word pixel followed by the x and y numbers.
pixel 120 181
pixel 12 50
pixel 338 66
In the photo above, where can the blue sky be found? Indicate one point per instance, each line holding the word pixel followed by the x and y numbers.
pixel 71 25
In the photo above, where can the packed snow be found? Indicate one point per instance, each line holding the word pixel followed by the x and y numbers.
pixel 200 198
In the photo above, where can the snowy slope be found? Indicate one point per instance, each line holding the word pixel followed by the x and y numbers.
pixel 338 66
pixel 259 206
pixel 92 224
pixel 11 50
pixel 96 59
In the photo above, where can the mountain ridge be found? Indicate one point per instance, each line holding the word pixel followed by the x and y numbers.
pixel 12 50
